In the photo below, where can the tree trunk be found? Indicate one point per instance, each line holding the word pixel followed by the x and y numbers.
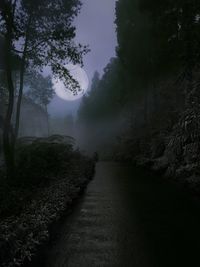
pixel 189 57
pixel 48 130
pixel 7 131
pixel 21 86
pixel 146 107
pixel 19 100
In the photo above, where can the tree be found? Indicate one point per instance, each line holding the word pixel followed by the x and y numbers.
pixel 104 100
pixel 40 90
pixel 95 82
pixel 41 32
pixel 176 26
pixel 163 41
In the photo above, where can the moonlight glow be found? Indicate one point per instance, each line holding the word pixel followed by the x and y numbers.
pixel 80 76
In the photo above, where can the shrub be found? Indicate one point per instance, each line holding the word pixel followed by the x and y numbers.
pixel 40 161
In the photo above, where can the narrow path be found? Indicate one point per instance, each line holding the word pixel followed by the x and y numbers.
pixel 130 218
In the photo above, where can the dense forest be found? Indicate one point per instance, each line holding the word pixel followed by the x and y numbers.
pixel 151 89
pixel 140 119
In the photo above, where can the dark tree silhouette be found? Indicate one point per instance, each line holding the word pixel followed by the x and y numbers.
pixel 104 99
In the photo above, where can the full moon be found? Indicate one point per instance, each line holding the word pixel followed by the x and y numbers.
pixel 80 76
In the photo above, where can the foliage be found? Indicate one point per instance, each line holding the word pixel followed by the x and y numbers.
pixel 158 89
pixel 104 99
pixel 42 34
pixel 40 161
pixel 40 88
pixel 50 174
pixel 20 235
pixel 185 139
pixel 44 31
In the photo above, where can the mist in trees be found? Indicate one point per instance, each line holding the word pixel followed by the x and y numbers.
pixel 37 42
pixel 40 34
pixel 149 93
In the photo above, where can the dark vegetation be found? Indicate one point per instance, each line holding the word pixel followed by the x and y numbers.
pixel 50 175
pixel 39 177
pixel 38 34
pixel 149 94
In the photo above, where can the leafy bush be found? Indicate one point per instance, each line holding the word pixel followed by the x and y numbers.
pixel 21 235
pixel 184 140
pixel 40 161
pixel 26 212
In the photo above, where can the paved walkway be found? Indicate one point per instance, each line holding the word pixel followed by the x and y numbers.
pixel 129 218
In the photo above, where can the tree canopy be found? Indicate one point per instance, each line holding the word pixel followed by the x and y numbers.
pixel 42 34
pixel 40 88
pixel 104 98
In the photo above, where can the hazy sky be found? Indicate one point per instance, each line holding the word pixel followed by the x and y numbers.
pixel 95 27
